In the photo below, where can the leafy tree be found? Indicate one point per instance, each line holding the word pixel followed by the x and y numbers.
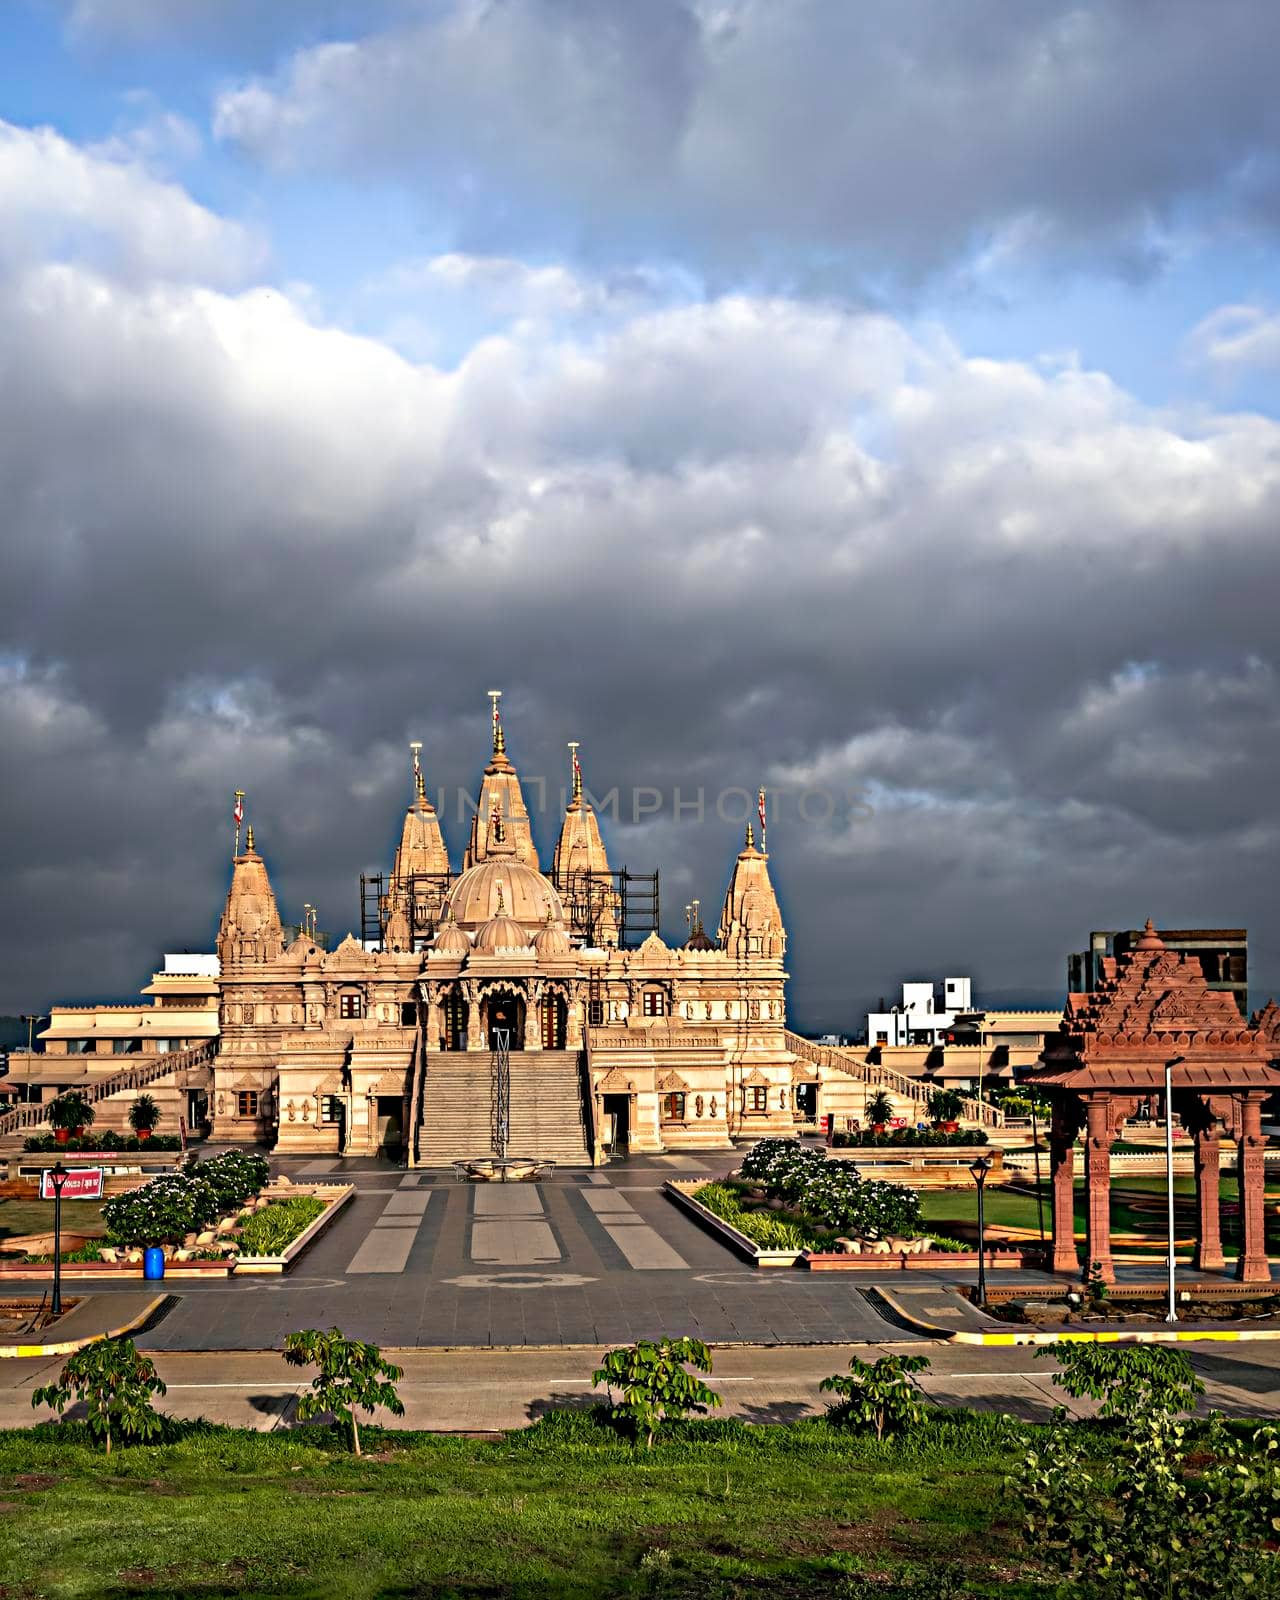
pixel 70 1111
pixel 655 1384
pixel 878 1396
pixel 1148 1520
pixel 1130 1380
pixel 116 1384
pixel 144 1113
pixel 353 1377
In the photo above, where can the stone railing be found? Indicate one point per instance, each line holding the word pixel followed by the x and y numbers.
pixel 834 1059
pixel 144 1070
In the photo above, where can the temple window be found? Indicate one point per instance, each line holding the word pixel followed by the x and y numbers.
pixel 247 1103
pixel 330 1108
pixel 126 1047
pixel 673 1108
pixel 655 1003
pixel 350 1006
pixel 408 1014
pixel 757 1098
pixel 595 1013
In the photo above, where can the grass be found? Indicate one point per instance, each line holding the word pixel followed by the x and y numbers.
pixel 36 1216
pixel 268 1232
pixel 1137 1206
pixel 565 1509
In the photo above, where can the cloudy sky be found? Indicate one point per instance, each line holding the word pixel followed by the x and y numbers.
pixel 877 402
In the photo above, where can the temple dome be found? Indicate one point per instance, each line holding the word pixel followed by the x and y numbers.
pixel 450 940
pixel 551 939
pixel 501 936
pixel 501 885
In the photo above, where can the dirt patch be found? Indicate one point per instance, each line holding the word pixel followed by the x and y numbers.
pixel 34 1480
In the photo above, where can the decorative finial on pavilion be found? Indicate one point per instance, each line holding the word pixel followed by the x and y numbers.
pixel 238 816
pixel 419 786
pixel 497 830
pixel 751 838
pixel 1150 940
pixel 499 738
pixel 502 909
pixel 577 773
pixel 248 840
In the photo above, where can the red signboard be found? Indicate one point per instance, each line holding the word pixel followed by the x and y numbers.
pixel 897 1122
pixel 82 1183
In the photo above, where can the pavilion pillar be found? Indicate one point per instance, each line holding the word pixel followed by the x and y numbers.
pixel 1252 1265
pixel 1062 1163
pixel 1208 1256
pixel 1097 1173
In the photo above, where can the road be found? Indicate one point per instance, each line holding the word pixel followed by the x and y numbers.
pixel 486 1390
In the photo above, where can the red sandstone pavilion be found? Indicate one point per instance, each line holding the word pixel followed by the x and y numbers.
pixel 1154 1007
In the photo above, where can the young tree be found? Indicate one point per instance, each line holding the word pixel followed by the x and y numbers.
pixel 655 1384
pixel 116 1383
pixel 878 1395
pixel 1130 1380
pixel 352 1376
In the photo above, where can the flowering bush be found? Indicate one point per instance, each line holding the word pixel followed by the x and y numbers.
pixel 832 1192
pixel 177 1203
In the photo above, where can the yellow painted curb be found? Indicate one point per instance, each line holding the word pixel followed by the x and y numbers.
pixel 1073 1336
pixel 70 1346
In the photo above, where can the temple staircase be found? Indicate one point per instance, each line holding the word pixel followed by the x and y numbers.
pixel 546 1107
pixel 457 1108
pixel 911 1093
pixel 141 1071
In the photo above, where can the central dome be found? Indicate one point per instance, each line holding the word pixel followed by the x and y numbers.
pixel 501 885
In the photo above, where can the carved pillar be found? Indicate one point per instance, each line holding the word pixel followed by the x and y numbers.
pixel 475 1024
pixel 1208 1256
pixel 1252 1265
pixel 1062 1165
pixel 1097 1172
pixel 533 1014
pixel 432 1028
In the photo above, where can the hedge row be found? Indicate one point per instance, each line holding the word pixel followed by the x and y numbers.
pixel 832 1192
pixel 168 1208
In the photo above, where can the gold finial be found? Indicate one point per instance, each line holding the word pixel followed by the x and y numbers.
pixel 248 839
pixel 502 910
pixel 577 772
pixel 419 786
pixel 751 838
pixel 499 738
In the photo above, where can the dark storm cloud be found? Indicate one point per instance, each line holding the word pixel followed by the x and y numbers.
pixel 1017 628
pixel 753 134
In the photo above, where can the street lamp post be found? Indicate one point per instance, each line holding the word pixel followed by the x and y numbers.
pixel 58 1175
pixel 1171 1315
pixel 1035 1145
pixel 979 1169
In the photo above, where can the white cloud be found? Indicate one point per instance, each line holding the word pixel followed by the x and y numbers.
pixel 64 202
pixel 1235 339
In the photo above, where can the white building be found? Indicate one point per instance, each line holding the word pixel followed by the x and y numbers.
pixel 927 1012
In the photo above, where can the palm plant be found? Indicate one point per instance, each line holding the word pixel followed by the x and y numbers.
pixel 879 1109
pixel 69 1113
pixel 144 1114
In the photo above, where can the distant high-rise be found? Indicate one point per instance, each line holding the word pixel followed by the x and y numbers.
pixel 1223 954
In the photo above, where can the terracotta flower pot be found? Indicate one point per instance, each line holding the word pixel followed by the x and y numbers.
pixel 62 1135
pixel 143 1133
pixel 77 1133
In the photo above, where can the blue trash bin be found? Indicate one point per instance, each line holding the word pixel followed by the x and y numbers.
pixel 153 1262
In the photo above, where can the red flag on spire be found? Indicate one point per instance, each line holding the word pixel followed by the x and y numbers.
pixel 761 812
pixel 238 813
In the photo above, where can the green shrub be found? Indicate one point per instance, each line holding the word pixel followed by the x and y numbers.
pixel 267 1233
pixel 70 1110
pixel 108 1139
pixel 178 1203
pixel 832 1193
pixel 763 1228
pixel 143 1113
pixel 877 1397
pixel 654 1383
pixel 115 1383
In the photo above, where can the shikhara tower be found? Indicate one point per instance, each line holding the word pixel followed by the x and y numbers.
pixel 391 1043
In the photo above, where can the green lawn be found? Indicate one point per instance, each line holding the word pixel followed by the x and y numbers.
pixel 564 1509
pixel 36 1216
pixel 1137 1206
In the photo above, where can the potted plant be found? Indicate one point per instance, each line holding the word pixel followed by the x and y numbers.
pixel 69 1115
pixel 144 1113
pixel 944 1108
pixel 879 1111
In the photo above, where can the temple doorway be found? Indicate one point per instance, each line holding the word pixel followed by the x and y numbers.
pixel 390 1111
pixel 455 1021
pixel 617 1122
pixel 553 1016
pixel 505 1018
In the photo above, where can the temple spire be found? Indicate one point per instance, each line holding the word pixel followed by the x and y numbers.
pixel 250 929
pixel 500 788
pixel 576 803
pixel 499 737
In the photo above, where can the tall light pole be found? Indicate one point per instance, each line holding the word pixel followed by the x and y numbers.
pixel 1171 1315
pixel 979 1169
pixel 58 1175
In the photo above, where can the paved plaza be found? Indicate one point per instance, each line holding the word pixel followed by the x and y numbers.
pixel 589 1258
